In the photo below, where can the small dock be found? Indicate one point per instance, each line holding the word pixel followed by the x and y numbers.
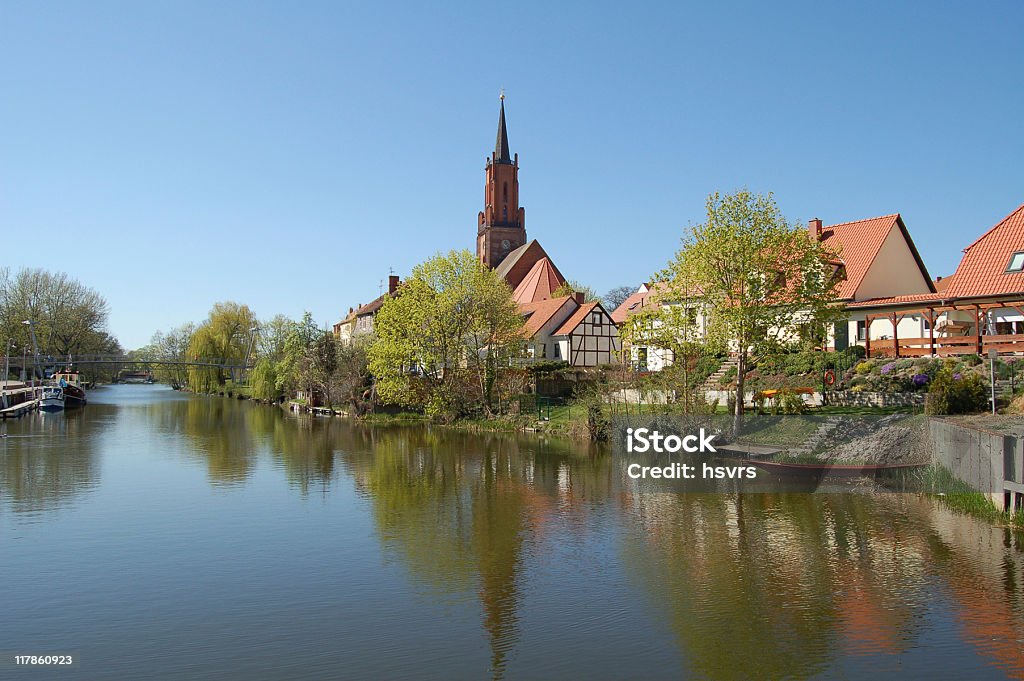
pixel 19 409
pixel 17 399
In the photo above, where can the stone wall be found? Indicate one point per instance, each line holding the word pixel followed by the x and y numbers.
pixel 848 398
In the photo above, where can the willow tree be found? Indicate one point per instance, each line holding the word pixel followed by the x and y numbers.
pixel 757 277
pixel 226 335
pixel 442 338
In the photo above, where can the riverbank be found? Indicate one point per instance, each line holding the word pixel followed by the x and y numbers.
pixel 960 497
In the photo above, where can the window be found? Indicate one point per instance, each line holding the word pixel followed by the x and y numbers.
pixel 596 320
pixel 1016 262
pixel 558 350
pixel 862 330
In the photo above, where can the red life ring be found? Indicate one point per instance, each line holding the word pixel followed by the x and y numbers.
pixel 830 377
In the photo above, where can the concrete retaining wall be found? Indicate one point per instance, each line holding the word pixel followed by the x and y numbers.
pixel 990 462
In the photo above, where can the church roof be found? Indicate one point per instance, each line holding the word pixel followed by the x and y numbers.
pixel 540 283
pixel 501 152
pixel 518 263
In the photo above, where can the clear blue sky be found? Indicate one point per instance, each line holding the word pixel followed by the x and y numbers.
pixel 286 155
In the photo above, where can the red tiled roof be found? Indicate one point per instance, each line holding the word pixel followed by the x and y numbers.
pixel 636 302
pixel 578 317
pixel 542 280
pixel 540 313
pixel 982 270
pixel 859 243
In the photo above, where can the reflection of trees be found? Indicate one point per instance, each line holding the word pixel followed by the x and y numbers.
pixel 230 435
pixel 46 461
pixel 216 430
pixel 761 586
pixel 458 509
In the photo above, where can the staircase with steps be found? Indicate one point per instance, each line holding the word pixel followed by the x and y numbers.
pixel 712 382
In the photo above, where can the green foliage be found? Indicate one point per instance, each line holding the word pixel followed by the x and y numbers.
pixel 67 316
pixel 308 360
pixel 442 339
pixel 753 274
pixel 854 352
pixel 568 288
pixel 801 363
pixel 263 380
pixel 225 335
pixel 971 360
pixel 864 368
pixel 956 393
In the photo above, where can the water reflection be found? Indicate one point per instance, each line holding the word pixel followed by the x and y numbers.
pixel 732 587
pixel 46 461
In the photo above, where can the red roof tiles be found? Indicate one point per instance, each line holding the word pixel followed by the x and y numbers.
pixel 575 320
pixel 540 313
pixel 859 243
pixel 982 270
pixel 542 281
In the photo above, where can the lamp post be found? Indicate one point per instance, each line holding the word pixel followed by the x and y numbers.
pixel 248 351
pixel 7 359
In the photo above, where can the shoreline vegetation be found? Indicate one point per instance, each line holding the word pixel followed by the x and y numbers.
pixel 934 481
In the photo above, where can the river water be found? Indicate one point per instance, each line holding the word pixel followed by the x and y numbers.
pixel 164 536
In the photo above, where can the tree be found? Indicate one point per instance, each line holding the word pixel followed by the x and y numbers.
pixel 68 317
pixel 172 348
pixel 756 277
pixel 351 380
pixel 447 330
pixel 570 287
pixel 308 360
pixel 225 335
pixel 617 296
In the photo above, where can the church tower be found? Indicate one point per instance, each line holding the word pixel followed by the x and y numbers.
pixel 501 225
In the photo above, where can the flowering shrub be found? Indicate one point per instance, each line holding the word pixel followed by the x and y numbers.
pixel 954 393
pixel 920 380
pixel 887 369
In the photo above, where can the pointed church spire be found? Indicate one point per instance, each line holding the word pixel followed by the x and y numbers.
pixel 501 153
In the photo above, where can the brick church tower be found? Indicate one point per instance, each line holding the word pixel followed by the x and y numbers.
pixel 501 225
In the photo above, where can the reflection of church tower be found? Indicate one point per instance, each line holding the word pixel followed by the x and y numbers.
pixel 501 225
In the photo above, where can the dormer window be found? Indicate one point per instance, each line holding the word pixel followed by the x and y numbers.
pixel 1016 262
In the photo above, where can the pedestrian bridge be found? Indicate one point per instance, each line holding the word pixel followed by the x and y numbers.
pixel 121 360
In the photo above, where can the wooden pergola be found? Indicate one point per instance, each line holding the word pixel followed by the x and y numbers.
pixel 977 343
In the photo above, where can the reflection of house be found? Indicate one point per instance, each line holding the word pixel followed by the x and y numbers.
pixel 979 308
pixel 359 321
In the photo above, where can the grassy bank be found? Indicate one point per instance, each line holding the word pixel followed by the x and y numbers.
pixel 959 496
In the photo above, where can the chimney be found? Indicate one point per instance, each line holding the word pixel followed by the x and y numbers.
pixel 578 297
pixel 392 283
pixel 814 228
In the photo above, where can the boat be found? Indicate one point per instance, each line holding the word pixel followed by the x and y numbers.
pixel 74 391
pixel 52 398
pixel 826 469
